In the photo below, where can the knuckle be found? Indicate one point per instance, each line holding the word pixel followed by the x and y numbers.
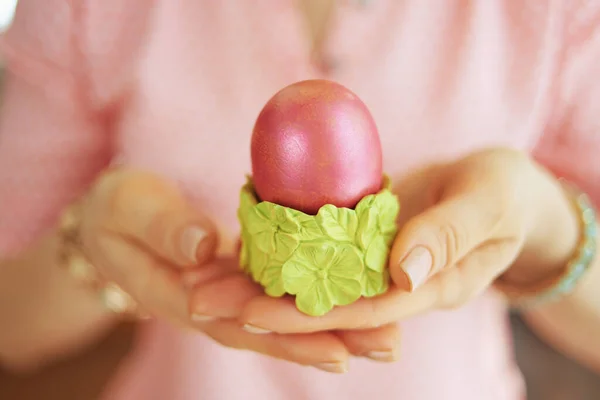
pixel 133 192
pixel 448 238
pixel 452 239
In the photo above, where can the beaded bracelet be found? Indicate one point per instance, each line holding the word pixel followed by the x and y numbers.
pixel 581 261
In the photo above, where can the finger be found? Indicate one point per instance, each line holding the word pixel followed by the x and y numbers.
pixel 379 344
pixel 476 272
pixel 451 288
pixel 442 235
pixel 322 350
pixel 209 272
pixel 264 314
pixel 155 214
pixel 223 298
pixel 150 281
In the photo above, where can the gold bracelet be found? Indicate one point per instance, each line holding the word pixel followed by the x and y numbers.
pixel 582 259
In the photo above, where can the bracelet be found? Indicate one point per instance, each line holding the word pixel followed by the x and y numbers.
pixel 73 259
pixel 575 269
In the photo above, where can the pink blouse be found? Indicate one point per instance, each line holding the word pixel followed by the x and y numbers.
pixel 175 85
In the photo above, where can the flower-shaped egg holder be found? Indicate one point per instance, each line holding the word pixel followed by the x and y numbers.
pixel 326 260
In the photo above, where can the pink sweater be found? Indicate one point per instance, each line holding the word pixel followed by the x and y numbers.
pixel 175 85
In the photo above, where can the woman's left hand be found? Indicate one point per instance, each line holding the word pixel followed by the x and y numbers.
pixel 465 224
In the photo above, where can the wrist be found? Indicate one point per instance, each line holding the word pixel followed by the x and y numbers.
pixel 553 237
pixel 43 312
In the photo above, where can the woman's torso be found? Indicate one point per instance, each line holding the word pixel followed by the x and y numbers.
pixel 441 79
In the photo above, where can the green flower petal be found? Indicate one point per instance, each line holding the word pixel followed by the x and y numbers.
pixel 374 283
pixel 258 262
pixel 377 254
pixel 315 255
pixel 247 202
pixel 275 290
pixel 343 290
pixel 273 229
pixel 389 237
pixel 285 245
pixel 338 223
pixel 298 275
pixel 258 218
pixel 262 231
pixel 285 220
pixel 265 241
pixel 387 206
pixel 309 229
pixel 346 263
pixel 364 204
pixel 245 253
pixel 272 280
pixel 367 229
pixel 315 301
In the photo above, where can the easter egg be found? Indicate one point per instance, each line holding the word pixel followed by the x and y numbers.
pixel 315 143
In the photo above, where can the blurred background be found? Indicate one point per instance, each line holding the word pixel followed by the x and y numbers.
pixel 549 376
pixel 7 8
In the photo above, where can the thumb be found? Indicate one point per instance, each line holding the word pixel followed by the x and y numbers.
pixel 153 213
pixel 441 236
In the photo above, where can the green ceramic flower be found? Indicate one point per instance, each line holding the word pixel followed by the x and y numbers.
pixel 325 260
pixel 323 275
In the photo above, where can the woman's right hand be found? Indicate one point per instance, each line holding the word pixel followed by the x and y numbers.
pixel 141 233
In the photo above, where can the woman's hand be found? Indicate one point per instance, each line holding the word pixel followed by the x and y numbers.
pixel 465 225
pixel 141 234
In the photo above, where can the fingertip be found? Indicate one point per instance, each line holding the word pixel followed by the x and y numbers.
pixel 379 344
pixel 410 269
pixel 327 351
pixel 278 315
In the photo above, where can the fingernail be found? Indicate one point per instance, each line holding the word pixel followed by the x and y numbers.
pixel 335 367
pixel 190 240
pixel 417 266
pixel 255 329
pixel 381 356
pixel 202 318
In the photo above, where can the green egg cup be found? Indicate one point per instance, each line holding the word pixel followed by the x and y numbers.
pixel 325 260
